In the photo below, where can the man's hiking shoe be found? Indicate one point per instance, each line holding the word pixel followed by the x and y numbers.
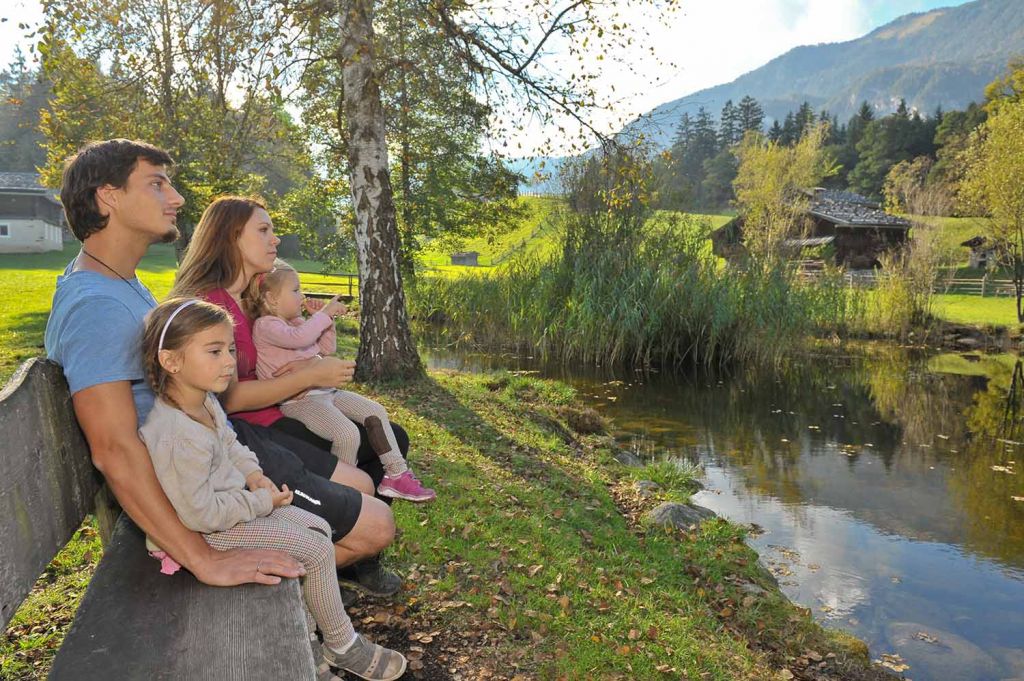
pixel 369 577
pixel 349 596
pixel 368 660
pixel 405 486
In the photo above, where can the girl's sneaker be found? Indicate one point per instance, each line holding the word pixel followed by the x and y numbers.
pixel 405 486
pixel 367 660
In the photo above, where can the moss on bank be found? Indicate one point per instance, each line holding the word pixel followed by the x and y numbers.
pixel 534 562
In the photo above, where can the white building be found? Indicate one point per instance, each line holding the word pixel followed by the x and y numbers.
pixel 31 218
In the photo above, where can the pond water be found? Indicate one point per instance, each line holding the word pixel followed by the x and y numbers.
pixel 889 488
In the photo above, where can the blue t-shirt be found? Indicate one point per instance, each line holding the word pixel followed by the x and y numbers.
pixel 95 332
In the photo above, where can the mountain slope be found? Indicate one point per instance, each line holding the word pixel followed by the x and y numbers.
pixel 942 57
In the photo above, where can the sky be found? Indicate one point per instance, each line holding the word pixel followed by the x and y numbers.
pixel 708 42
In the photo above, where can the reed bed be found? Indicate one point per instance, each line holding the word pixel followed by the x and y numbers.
pixel 647 294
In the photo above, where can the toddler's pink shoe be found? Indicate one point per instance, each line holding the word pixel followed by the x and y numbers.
pixel 405 486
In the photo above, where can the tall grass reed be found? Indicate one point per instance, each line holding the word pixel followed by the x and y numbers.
pixel 648 293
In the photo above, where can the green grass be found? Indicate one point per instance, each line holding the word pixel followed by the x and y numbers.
pixel 533 560
pixel 967 309
pixel 952 232
pixel 27 282
pixel 534 543
pixel 38 628
pixel 676 478
pixel 534 530
pixel 537 235
pixel 533 234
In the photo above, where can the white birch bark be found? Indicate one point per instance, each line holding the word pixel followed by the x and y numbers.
pixel 386 348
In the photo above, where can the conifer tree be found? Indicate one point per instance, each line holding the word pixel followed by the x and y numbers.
pixel 751 115
pixel 729 130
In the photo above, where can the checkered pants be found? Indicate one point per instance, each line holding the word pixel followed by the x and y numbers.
pixel 306 538
pixel 330 416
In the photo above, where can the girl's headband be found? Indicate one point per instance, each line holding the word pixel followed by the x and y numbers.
pixel 167 324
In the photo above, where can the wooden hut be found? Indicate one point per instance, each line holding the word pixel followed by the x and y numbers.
pixel 983 254
pixel 31 217
pixel 466 258
pixel 856 227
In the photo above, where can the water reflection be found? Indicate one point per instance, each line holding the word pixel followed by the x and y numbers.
pixel 886 484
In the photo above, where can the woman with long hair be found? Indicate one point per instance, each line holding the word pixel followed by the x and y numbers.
pixel 231 246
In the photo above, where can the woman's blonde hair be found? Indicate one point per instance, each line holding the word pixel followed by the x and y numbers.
pixel 254 299
pixel 196 317
pixel 212 259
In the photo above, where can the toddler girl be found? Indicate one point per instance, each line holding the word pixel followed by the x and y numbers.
pixel 215 483
pixel 281 335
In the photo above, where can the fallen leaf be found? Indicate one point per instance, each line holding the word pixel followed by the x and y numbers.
pixel 534 569
pixel 894 662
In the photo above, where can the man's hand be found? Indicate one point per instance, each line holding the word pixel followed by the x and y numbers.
pixel 245 566
pixel 106 413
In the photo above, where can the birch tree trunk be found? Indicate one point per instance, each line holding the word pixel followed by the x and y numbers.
pixel 386 348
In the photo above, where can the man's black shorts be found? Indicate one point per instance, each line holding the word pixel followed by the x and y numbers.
pixel 306 470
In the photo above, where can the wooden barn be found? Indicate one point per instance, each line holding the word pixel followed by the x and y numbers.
pixel 31 217
pixel 983 253
pixel 856 227
pixel 469 258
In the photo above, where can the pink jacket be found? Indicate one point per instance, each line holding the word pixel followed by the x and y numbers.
pixel 279 342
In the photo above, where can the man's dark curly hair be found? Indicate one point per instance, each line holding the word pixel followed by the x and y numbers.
pixel 96 165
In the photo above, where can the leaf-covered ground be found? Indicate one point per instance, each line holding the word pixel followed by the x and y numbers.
pixel 535 560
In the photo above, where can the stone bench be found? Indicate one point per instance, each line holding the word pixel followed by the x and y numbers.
pixel 134 622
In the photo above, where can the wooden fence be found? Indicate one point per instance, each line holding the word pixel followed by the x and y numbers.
pixel 985 286
pixel 316 285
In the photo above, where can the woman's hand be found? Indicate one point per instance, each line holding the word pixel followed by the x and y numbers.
pixel 282 498
pixel 295 365
pixel 322 372
pixel 335 372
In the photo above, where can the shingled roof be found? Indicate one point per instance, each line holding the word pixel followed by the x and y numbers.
pixel 848 209
pixel 25 182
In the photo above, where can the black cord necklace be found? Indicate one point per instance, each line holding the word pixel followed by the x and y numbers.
pixel 148 302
